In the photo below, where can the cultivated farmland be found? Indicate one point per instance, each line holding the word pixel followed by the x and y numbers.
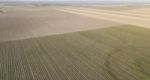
pixel 117 53
pixel 27 22
pixel 46 43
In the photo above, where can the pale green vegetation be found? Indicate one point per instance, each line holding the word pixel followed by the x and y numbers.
pixel 116 53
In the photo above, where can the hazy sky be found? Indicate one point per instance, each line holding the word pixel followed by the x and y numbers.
pixel 74 0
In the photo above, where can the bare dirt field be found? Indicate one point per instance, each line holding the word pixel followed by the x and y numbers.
pixel 138 17
pixel 27 22
pixel 118 7
pixel 142 11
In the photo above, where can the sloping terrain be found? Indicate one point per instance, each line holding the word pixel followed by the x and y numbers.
pixel 115 53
